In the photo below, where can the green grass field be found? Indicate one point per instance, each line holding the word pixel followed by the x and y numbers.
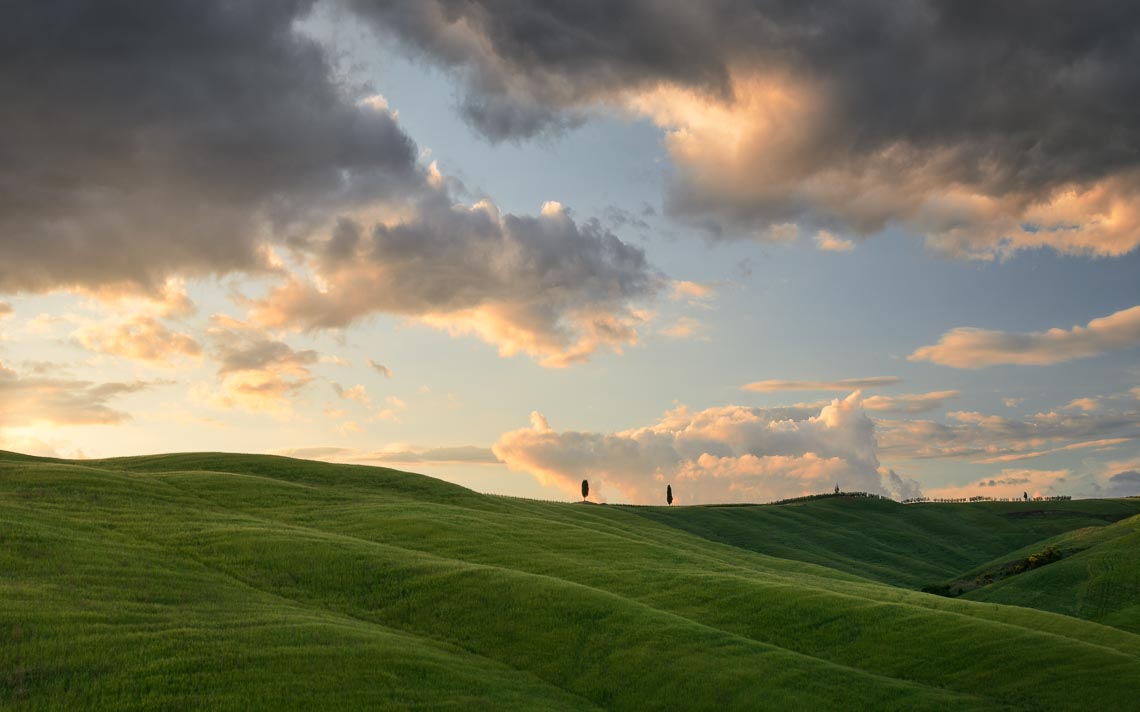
pixel 206 581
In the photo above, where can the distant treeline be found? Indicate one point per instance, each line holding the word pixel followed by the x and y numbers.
pixel 981 498
pixel 809 497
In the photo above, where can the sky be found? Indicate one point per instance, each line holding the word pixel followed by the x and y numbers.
pixel 751 250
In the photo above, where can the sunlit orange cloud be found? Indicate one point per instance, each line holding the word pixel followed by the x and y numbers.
pixel 1085 404
pixel 719 454
pixel 684 328
pixel 769 156
pixel 718 143
pixel 684 289
pixel 140 338
pixel 843 384
pixel 966 347
pixel 753 478
pixel 825 241
pixel 541 286
pixel 909 402
pixel 33 401
pixel 1010 484
pixel 256 372
pixel 168 300
pixel 505 325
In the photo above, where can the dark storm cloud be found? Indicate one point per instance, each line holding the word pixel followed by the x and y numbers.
pixel 142 139
pixel 971 122
pixel 528 64
pixel 149 140
pixel 1038 85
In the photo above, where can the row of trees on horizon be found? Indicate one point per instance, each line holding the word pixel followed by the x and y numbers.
pixel 910 500
pixel 983 498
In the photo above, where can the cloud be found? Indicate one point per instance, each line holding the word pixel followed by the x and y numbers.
pixel 909 402
pixel 390 412
pixel 156 139
pixel 619 217
pixel 398 454
pixel 845 384
pixel 827 242
pixel 1123 484
pixel 807 113
pixel 1103 444
pixel 463 454
pixel 1085 404
pixel 722 454
pixel 380 368
pixel 257 373
pixel 541 285
pixel 1010 484
pixel 357 393
pixel 223 140
pixel 992 438
pixel 140 338
pixel 45 323
pixel 977 348
pixel 683 328
pixel 685 290
pixel 26 402
pixel 5 309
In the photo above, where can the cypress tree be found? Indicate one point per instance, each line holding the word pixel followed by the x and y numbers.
pixel 585 489
pixel 669 494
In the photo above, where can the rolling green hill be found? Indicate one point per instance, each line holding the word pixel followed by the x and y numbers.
pixel 1098 578
pixel 906 545
pixel 239 582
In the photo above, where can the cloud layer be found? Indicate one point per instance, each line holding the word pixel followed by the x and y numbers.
pixel 52 400
pixel 542 285
pixel 724 454
pixel 843 384
pixel 991 439
pixel 257 372
pixel 909 402
pixel 977 348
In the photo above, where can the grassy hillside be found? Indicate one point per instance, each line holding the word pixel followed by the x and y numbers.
pixel 238 582
pixel 906 545
pixel 1098 577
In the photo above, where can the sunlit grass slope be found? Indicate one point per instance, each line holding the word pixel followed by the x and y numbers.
pixel 907 545
pixel 239 582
